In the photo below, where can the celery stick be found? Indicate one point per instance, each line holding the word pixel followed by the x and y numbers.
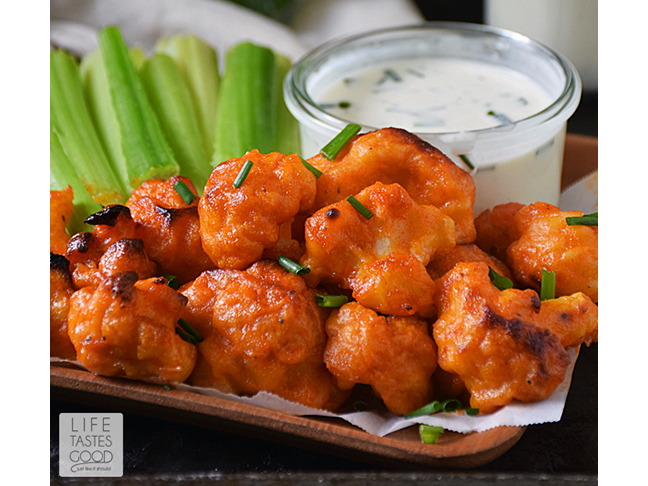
pixel 198 63
pixel 72 123
pixel 146 152
pixel 62 174
pixel 247 106
pixel 288 139
pixel 171 99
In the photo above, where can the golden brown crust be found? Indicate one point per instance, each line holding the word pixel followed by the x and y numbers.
pixel 393 155
pixel 61 291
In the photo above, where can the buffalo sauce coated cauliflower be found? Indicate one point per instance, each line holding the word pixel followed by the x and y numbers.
pixel 238 224
pixel 169 227
pixel 506 345
pixel 545 240
pixel 61 208
pixel 383 258
pixel 395 355
pixel 61 291
pixel 393 155
pixel 125 327
pixel 263 331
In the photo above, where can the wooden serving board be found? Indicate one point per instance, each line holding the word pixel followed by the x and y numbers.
pixel 399 449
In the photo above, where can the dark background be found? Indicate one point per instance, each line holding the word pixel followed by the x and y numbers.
pixel 159 451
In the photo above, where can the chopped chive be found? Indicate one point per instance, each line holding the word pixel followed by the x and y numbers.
pixel 172 281
pixel 335 146
pixel 548 285
pixel 292 267
pixel 449 405
pixel 167 387
pixel 184 192
pixel 316 173
pixel 344 104
pixel 330 300
pixel 190 330
pixel 245 170
pixel 587 220
pixel 185 335
pixel 429 433
pixel 467 161
pixel 389 74
pixel 472 411
pixel 360 406
pixel 359 207
pixel 499 281
pixel 503 119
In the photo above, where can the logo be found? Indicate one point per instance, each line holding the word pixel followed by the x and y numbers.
pixel 91 444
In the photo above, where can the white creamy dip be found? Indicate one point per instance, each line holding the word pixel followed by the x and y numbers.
pixel 434 95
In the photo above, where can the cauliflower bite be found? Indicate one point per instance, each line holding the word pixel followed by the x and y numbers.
pixel 506 345
pixel 545 240
pixel 238 225
pixel 394 355
pixel 495 229
pixel 262 331
pixel 125 327
pixel 60 292
pixel 393 155
pixel 465 253
pixel 383 258
pixel 61 208
pixel 170 227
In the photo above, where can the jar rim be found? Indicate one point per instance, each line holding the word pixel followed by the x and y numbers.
pixel 298 98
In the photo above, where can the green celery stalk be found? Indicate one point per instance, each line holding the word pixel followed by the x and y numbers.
pixel 70 120
pixel 147 154
pixel 247 104
pixel 288 139
pixel 170 97
pixel 62 175
pixel 198 63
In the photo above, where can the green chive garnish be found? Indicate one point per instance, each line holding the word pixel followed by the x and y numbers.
pixel 499 281
pixel 184 192
pixel 429 433
pixel 449 405
pixel 190 330
pixel 331 300
pixel 587 220
pixel 333 148
pixel 292 267
pixel 467 161
pixel 548 285
pixel 172 281
pixel 167 387
pixel 245 170
pixel 316 173
pixel 359 207
pixel 472 411
pixel 185 335
pixel 503 119
pixel 344 104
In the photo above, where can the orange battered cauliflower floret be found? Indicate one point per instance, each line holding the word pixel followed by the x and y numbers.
pixel 382 259
pixel 394 355
pixel 393 155
pixel 263 332
pixel 506 345
pixel 61 291
pixel 126 327
pixel 238 225
pixel 61 208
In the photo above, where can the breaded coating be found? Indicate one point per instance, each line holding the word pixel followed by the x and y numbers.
pixel 60 292
pixel 393 155
pixel 501 343
pixel 445 262
pixel 109 249
pixel 170 228
pixel 394 355
pixel 545 240
pixel 495 229
pixel 61 208
pixel 125 327
pixel 382 259
pixel 238 224
pixel 263 332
